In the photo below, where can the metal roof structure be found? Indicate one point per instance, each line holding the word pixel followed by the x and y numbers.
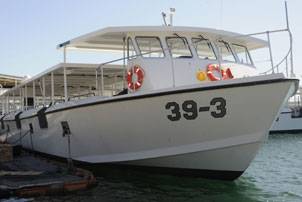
pixel 9 81
pixel 79 76
pixel 111 38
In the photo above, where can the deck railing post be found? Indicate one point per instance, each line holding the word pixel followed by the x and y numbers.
pixel 65 85
pixel 7 103
pixel 102 81
pixel 52 88
pixel 270 51
pixel 124 62
pixel 2 102
pixel 65 75
pixel 219 58
pixel 34 94
pixel 14 103
pixel 26 97
pixel 21 102
pixel 64 54
pixel 43 91
pixel 96 82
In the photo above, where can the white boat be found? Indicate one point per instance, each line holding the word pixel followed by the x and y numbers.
pixel 183 99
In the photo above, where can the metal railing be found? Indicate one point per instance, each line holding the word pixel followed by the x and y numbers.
pixel 101 67
pixel 82 95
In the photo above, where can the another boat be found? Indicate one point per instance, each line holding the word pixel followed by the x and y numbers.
pixel 290 118
pixel 183 99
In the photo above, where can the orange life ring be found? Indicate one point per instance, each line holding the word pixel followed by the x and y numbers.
pixel 224 74
pixel 140 77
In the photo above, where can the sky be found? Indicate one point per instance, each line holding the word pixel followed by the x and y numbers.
pixel 30 30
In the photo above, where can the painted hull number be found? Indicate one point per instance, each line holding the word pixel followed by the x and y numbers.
pixel 190 109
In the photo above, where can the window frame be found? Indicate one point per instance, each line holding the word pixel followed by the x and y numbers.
pixel 209 43
pixel 160 43
pixel 248 53
pixel 227 45
pixel 127 47
pixel 188 45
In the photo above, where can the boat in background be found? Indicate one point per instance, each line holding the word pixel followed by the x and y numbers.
pixel 290 118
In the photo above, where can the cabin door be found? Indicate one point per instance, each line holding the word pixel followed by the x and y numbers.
pixel 184 71
pixel 152 61
pixel 183 64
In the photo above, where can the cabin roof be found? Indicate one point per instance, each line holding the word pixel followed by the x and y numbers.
pixel 111 38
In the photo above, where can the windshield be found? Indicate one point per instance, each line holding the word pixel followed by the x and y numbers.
pixel 150 46
pixel 204 49
pixel 179 47
pixel 225 51
pixel 242 54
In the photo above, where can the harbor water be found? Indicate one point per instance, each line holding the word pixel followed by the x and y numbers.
pixel 274 175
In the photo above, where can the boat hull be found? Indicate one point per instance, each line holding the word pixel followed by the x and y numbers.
pixel 224 134
pixel 286 123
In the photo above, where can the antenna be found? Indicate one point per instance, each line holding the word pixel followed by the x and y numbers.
pixel 164 17
pixel 172 12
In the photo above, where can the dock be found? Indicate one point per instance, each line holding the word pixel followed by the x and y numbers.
pixel 28 175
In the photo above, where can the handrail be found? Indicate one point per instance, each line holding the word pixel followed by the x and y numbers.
pixel 101 67
pixel 259 33
pixel 86 94
pixel 276 66
pixel 128 57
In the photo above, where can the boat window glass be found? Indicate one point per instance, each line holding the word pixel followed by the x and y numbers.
pixel 204 49
pixel 150 47
pixel 130 49
pixel 225 51
pixel 178 47
pixel 242 54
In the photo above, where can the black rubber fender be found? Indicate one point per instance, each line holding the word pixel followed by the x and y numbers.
pixel 42 118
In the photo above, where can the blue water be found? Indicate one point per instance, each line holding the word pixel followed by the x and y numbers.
pixel 274 175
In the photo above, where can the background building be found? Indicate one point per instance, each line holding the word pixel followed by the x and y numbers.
pixel 6 82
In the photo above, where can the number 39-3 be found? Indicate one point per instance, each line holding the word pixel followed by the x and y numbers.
pixel 191 110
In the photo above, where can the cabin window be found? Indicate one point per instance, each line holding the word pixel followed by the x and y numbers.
pixel 130 49
pixel 225 51
pixel 179 47
pixel 150 47
pixel 204 49
pixel 242 54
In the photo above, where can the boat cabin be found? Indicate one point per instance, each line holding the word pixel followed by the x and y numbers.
pixel 152 58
